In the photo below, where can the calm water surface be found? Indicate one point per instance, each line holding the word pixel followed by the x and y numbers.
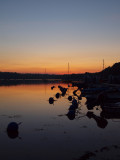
pixel 46 132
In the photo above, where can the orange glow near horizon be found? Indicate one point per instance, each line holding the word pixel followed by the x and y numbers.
pixel 57 70
pixel 42 38
pixel 75 68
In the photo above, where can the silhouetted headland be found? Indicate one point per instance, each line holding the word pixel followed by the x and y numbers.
pixel 108 75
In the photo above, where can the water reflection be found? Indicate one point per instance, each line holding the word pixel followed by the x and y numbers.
pixel 71 114
pixel 43 131
pixel 110 115
pixel 91 103
pixel 101 122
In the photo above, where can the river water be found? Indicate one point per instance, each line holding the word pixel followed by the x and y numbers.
pixel 47 132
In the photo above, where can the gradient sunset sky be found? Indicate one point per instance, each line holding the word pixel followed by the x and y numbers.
pixel 39 34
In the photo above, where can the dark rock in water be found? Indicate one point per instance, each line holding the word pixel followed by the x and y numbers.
pixel 68 85
pixel 71 114
pixel 74 103
pixel 90 106
pixel 13 134
pixel 101 122
pixel 74 92
pixel 12 130
pixel 51 100
pixel 57 95
pixel 63 90
pixel 13 126
pixel 72 107
pixel 63 94
pixel 80 97
pixel 70 98
pixel 59 86
pixel 52 87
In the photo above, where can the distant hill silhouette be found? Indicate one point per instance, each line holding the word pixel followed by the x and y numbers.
pixel 26 76
pixel 113 70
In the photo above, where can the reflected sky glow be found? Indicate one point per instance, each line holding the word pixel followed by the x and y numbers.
pixel 45 128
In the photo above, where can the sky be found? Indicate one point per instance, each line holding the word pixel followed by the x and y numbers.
pixel 39 35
